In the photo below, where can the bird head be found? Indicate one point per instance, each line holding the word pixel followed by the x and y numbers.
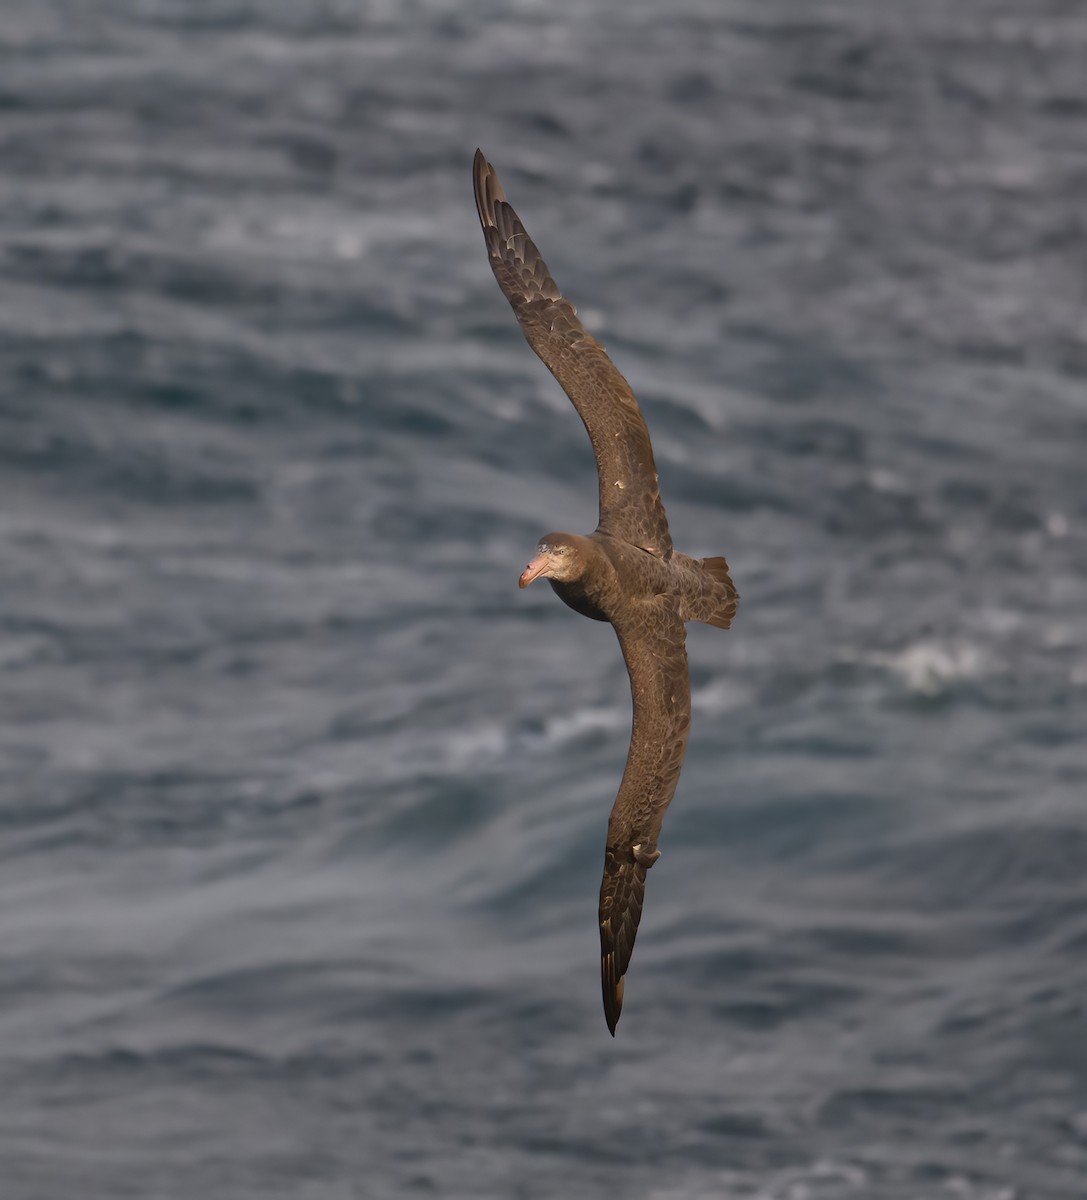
pixel 563 557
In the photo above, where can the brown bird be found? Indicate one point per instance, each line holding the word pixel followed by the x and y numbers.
pixel 626 572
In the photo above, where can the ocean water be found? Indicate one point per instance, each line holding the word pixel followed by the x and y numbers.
pixel 302 803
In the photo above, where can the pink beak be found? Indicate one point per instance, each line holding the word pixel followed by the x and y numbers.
pixel 534 570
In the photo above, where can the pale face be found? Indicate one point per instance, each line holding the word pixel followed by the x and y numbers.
pixel 559 557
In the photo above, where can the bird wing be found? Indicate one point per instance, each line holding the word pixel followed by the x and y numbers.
pixel 656 657
pixel 630 503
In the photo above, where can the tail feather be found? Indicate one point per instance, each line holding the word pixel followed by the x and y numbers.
pixel 717 569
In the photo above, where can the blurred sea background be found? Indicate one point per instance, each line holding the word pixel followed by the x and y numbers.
pixel 302 803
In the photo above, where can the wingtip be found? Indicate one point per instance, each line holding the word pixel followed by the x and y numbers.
pixel 488 191
pixel 480 167
pixel 613 1000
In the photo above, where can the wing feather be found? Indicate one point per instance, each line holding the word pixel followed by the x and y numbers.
pixel 630 503
pixel 656 658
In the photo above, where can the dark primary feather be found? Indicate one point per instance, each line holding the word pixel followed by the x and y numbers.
pixel 630 503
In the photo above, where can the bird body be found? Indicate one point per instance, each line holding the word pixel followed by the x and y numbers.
pixel 626 572
pixel 612 573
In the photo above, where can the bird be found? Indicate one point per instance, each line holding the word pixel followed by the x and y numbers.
pixel 625 572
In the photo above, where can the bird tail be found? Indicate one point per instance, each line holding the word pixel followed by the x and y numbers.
pixel 725 592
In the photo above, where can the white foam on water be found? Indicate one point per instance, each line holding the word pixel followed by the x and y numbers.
pixel 929 667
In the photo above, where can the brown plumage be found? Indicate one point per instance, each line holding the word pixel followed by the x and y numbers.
pixel 626 572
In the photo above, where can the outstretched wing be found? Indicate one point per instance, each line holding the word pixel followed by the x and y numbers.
pixel 630 503
pixel 656 659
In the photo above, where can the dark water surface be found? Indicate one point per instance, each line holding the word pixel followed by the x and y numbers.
pixel 303 803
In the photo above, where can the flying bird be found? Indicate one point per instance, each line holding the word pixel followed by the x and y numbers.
pixel 625 572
